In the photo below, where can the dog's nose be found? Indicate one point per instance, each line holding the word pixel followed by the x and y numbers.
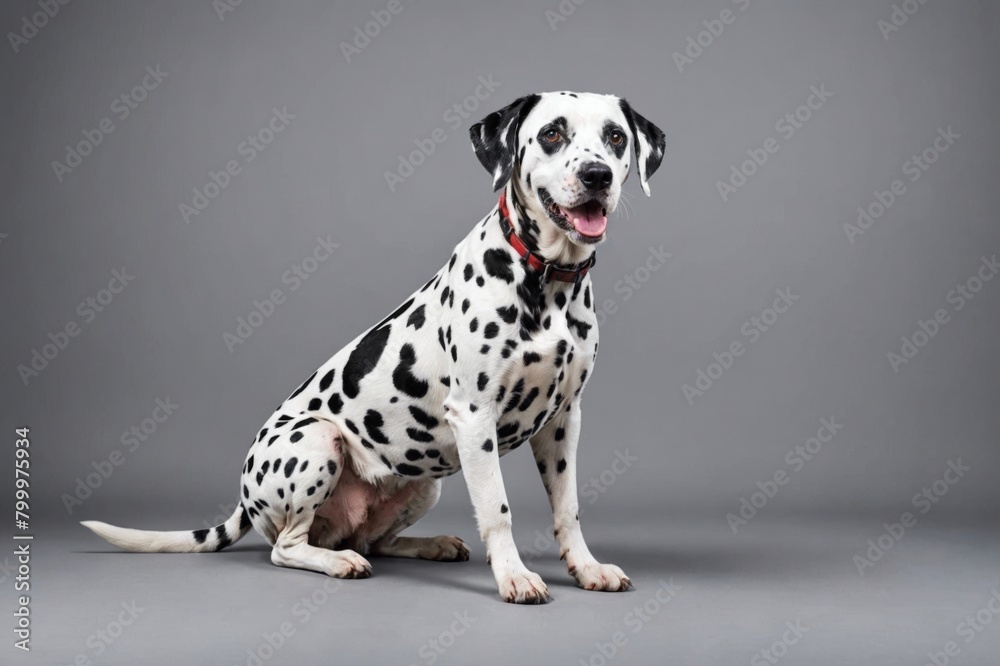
pixel 595 175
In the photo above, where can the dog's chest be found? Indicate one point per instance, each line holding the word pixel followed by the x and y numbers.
pixel 546 373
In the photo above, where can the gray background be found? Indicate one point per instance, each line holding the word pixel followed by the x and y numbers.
pixel 324 176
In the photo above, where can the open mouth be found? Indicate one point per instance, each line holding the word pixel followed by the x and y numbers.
pixel 589 219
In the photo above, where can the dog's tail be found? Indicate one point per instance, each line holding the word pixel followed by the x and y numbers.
pixel 190 541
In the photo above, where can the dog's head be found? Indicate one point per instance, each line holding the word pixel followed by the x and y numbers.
pixel 566 155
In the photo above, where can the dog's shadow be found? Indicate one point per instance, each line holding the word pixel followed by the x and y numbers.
pixel 644 564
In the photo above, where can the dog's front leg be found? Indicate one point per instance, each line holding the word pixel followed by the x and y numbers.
pixel 475 433
pixel 555 454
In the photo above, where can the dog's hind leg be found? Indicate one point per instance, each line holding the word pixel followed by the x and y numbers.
pixel 285 481
pixel 408 506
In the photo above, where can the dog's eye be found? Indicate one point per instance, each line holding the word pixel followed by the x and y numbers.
pixel 552 136
pixel 616 138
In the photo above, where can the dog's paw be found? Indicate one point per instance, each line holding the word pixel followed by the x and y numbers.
pixel 449 549
pixel 601 577
pixel 348 564
pixel 523 587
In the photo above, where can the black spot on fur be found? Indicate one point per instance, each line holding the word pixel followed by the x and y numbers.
pixel 541 467
pixel 296 436
pixel 403 378
pixel 482 381
pixel 560 433
pixel 528 399
pixel 515 395
pixel 324 383
pixel 422 417
pixel 200 535
pixel 335 403
pixel 417 318
pixel 508 314
pixel 561 465
pixel 223 537
pixel 468 272
pixel 363 359
pixel 503 508
pixel 491 330
pixel 373 424
pixel 315 404
pixel 290 467
pixel 497 263
pixel 304 422
pixel 419 435
pixel 531 357
pixel 398 311
pixel 408 470
pixel 582 328
pixel 508 430
pixel 350 426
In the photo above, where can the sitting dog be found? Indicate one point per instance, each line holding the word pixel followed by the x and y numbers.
pixel 494 351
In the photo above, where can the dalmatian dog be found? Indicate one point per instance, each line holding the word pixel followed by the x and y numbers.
pixel 492 352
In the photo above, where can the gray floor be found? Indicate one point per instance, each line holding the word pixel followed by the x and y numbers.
pixel 733 596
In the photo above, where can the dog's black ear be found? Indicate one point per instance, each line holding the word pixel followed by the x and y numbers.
pixel 650 144
pixel 494 138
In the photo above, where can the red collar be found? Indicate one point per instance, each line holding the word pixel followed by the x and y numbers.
pixel 549 271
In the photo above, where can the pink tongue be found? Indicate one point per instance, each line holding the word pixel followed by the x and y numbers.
pixel 588 219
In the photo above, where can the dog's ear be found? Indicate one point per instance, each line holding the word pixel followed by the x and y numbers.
pixel 650 144
pixel 494 138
